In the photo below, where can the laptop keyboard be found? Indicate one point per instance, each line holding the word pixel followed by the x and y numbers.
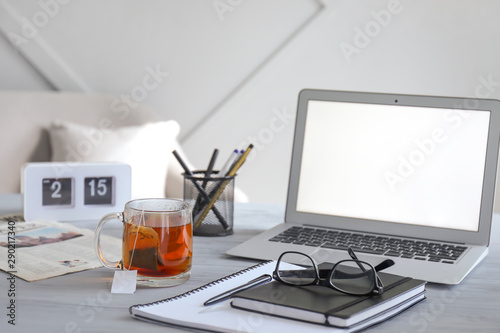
pixel 386 246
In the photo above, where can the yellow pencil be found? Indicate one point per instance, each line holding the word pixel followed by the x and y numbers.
pixel 217 194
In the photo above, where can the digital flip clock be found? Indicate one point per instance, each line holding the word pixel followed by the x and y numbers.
pixel 62 191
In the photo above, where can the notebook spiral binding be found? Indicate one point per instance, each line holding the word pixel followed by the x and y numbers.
pixel 208 285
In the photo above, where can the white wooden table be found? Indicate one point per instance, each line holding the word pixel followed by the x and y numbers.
pixel 82 302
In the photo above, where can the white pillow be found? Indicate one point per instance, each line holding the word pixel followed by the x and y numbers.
pixel 146 148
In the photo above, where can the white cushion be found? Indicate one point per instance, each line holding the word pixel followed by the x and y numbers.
pixel 146 148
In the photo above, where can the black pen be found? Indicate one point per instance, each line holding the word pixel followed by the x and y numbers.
pixel 228 294
pixel 208 174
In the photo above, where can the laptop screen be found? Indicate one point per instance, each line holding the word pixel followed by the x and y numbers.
pixel 402 164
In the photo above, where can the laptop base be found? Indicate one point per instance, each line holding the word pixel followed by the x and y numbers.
pixel 436 272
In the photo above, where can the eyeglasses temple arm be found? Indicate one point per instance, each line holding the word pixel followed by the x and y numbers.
pixel 384 264
pixel 355 258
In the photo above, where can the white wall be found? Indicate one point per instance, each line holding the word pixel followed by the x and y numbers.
pixel 230 70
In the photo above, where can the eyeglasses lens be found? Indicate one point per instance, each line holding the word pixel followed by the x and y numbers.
pixel 353 277
pixel 296 269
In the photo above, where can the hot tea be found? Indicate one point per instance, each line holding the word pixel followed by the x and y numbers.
pixel 157 251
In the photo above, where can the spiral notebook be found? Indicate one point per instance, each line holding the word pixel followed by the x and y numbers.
pixel 187 310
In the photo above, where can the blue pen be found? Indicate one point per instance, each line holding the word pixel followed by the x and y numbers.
pixel 230 161
pixel 239 155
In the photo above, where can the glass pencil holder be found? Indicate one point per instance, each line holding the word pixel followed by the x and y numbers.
pixel 212 199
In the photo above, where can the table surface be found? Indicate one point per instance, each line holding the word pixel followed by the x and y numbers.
pixel 82 302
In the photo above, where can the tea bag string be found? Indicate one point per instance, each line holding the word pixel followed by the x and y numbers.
pixel 141 221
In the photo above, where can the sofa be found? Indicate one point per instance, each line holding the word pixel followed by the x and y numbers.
pixel 78 127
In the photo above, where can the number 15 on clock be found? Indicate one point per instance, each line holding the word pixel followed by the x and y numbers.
pixel 98 191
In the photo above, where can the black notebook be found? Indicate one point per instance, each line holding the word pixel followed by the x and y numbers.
pixel 329 307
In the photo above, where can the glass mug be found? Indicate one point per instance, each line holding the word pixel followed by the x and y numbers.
pixel 157 241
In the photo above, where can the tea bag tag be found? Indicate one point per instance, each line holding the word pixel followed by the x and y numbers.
pixel 124 282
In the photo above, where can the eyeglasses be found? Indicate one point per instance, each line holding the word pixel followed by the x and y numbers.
pixel 352 276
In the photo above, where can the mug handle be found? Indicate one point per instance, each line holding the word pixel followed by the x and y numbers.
pixel 97 240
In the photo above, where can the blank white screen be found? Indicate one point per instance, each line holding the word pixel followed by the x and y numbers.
pixel 415 165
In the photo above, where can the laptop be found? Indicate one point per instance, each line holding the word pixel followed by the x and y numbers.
pixel 410 178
